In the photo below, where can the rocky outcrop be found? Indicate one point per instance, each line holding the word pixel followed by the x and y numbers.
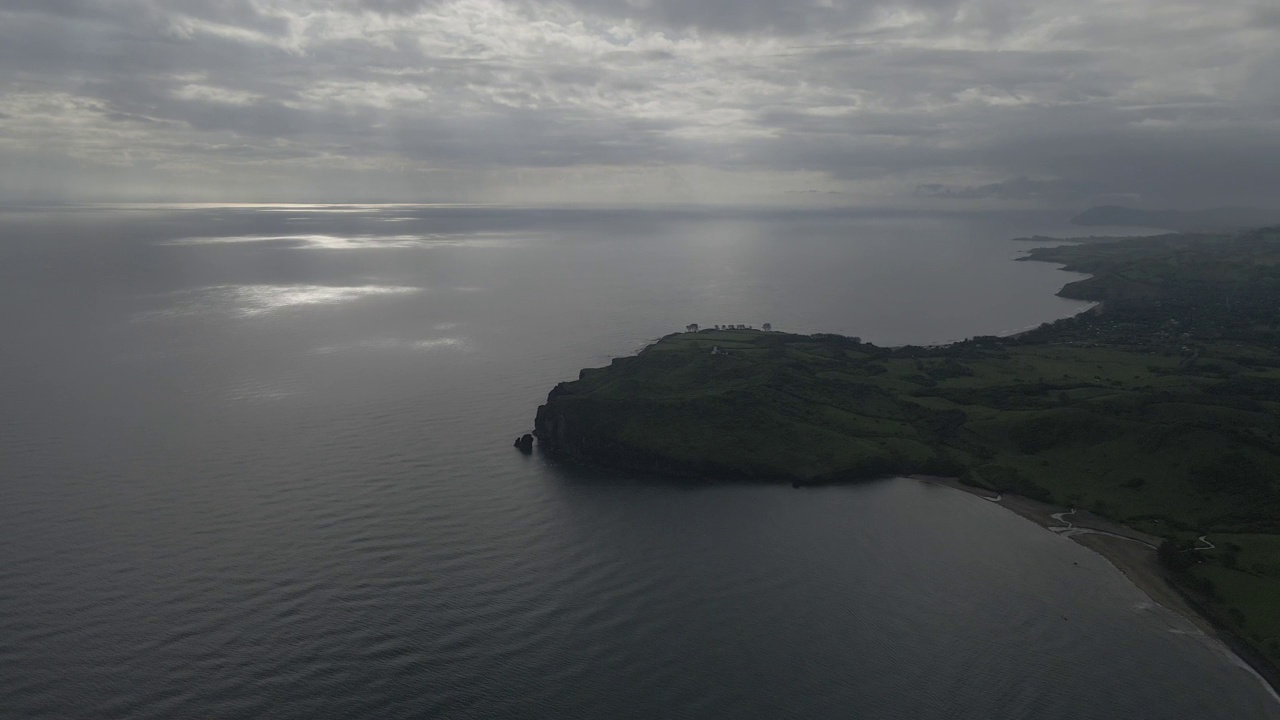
pixel 564 427
pixel 579 429
pixel 551 430
pixel 525 443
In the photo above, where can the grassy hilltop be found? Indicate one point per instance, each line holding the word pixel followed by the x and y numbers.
pixel 1159 409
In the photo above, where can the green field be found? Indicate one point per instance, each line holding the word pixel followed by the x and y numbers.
pixel 1159 409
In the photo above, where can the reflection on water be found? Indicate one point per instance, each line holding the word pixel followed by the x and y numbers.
pixel 254 300
pixel 258 299
pixel 325 242
pixel 357 242
pixel 442 343
pixel 257 391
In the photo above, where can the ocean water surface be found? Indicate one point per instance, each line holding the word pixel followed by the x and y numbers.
pixel 256 462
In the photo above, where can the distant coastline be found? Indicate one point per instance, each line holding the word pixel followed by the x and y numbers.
pixel 1216 219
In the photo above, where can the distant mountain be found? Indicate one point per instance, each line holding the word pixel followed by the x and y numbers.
pixel 1223 218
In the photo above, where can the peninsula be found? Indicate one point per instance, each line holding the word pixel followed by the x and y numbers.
pixel 1156 412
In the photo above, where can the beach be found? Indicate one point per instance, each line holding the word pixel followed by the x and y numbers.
pixel 1133 553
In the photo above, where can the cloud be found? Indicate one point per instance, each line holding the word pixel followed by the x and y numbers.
pixel 981 102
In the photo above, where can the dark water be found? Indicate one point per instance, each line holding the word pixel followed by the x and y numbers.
pixel 246 478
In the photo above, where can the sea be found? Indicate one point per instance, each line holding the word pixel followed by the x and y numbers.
pixel 256 462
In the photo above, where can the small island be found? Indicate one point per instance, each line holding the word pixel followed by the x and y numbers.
pixel 1154 417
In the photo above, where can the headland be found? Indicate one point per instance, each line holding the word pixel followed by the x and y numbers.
pixel 1154 416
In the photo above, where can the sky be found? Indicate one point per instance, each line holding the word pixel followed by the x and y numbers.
pixel 951 104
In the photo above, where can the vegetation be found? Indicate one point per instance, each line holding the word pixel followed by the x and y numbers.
pixel 1159 408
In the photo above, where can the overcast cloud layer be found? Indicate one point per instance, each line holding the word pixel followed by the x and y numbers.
pixel 932 103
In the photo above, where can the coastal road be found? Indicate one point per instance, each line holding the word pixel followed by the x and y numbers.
pixel 1070 529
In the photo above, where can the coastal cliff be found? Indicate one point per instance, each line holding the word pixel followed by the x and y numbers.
pixel 723 404
pixel 586 431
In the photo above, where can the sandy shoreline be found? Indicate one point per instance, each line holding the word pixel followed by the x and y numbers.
pixel 1132 553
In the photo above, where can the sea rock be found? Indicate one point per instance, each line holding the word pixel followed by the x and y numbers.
pixel 525 443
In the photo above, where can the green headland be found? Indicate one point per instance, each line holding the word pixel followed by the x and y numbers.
pixel 1158 409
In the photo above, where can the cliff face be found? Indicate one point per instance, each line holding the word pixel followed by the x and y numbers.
pixel 587 431
pixel 556 431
